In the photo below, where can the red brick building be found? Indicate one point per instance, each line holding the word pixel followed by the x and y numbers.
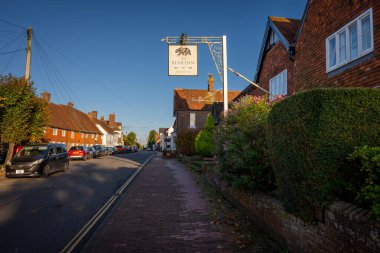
pixel 338 44
pixel 192 106
pixel 70 126
pixel 275 67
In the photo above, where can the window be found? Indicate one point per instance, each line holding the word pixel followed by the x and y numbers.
pixel 72 134
pixel 351 42
pixel 278 85
pixel 342 47
pixel 353 31
pixel 92 136
pixel 82 135
pixel 273 38
pixel 366 33
pixel 63 133
pixel 55 131
pixel 192 120
pixel 59 150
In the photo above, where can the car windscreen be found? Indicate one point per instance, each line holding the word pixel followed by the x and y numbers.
pixel 34 151
pixel 76 148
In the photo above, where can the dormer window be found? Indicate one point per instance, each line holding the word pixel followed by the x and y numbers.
pixel 273 38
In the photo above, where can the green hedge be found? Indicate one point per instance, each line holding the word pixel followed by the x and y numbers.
pixel 310 136
pixel 366 186
pixel 241 146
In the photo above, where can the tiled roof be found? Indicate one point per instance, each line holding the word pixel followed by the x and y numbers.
pixel 104 125
pixel 198 100
pixel 69 118
pixel 162 130
pixel 288 27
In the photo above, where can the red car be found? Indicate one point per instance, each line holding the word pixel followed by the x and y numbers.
pixel 120 149
pixel 80 152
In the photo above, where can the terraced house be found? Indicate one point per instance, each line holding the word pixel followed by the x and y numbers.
pixel 335 44
pixel 70 126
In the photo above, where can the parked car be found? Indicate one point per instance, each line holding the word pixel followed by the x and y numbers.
pixel 112 150
pixel 105 151
pixel 38 160
pixel 80 152
pixel 98 150
pixel 92 152
pixel 121 149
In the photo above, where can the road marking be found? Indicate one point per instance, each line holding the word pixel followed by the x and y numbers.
pixel 91 223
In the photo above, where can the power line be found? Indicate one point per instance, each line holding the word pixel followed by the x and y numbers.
pixel 15 51
pixel 9 23
pixel 13 56
pixel 101 84
pixel 10 42
pixel 57 74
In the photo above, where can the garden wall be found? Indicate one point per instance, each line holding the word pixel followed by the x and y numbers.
pixel 346 228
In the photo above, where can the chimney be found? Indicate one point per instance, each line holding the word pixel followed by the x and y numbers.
pixel 93 114
pixel 111 119
pixel 46 96
pixel 69 104
pixel 102 118
pixel 210 83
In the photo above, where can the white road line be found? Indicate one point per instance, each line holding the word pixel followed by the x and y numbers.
pixel 91 223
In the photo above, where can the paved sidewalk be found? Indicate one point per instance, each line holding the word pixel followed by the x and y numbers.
pixel 162 211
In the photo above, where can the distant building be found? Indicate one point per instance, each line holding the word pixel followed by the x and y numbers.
pixel 70 126
pixel 110 137
pixel 191 106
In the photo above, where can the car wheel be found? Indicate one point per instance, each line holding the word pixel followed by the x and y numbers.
pixel 84 158
pixel 66 167
pixel 45 171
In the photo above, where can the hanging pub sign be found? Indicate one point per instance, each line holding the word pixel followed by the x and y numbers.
pixel 183 60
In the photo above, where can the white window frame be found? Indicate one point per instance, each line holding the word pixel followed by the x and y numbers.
pixel 278 85
pixel 55 131
pixel 72 135
pixel 192 120
pixel 63 133
pixel 358 22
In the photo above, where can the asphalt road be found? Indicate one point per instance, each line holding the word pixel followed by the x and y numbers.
pixel 43 215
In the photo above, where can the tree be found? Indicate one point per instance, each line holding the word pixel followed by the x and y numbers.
pixel 204 142
pixel 151 138
pixel 130 139
pixel 23 116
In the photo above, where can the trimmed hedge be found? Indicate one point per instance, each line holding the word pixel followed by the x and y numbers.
pixel 310 136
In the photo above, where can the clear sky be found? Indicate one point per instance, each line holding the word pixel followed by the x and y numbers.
pixel 108 55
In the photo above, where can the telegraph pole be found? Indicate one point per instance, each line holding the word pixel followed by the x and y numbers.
pixel 28 54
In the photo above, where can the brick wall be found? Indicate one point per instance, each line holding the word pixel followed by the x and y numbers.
pixel 323 18
pixel 77 140
pixel 183 120
pixel 346 228
pixel 275 61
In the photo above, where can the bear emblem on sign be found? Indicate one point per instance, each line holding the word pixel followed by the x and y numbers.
pixel 183 51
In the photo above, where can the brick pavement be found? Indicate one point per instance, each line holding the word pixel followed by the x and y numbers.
pixel 162 211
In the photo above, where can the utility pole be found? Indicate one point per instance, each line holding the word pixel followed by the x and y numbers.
pixel 28 54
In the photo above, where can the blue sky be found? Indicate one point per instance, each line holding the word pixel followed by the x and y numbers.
pixel 108 55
